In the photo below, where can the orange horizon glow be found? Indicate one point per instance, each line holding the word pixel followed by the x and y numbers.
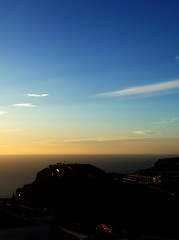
pixel 163 147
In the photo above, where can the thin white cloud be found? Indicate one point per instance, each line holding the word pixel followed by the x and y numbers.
pixel 122 139
pixel 146 90
pixel 99 139
pixel 3 113
pixel 104 139
pixel 177 57
pixel 2 107
pixel 37 95
pixel 145 132
pixel 166 121
pixel 78 140
pixel 28 105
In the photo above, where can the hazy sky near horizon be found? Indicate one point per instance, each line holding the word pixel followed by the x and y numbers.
pixel 93 76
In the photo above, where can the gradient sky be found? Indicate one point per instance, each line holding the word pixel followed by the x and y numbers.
pixel 89 76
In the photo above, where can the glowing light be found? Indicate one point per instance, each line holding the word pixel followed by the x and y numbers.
pixel 105 228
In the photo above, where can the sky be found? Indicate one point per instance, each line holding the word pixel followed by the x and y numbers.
pixel 89 77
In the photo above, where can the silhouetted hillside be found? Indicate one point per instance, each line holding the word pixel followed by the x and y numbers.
pixel 51 181
pixel 168 166
pixel 85 194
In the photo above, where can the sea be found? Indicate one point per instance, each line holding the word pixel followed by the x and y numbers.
pixel 17 170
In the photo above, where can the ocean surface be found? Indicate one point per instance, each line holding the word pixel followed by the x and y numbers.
pixel 17 170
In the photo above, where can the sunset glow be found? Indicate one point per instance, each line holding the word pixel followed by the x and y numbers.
pixel 89 77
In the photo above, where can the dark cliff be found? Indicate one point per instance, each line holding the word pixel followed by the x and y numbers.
pixel 86 194
pixel 167 166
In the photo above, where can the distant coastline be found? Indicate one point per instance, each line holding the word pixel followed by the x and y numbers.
pixel 19 169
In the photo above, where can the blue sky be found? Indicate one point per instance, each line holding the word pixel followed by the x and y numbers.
pixel 78 52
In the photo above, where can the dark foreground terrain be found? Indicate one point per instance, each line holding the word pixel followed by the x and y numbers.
pixel 80 201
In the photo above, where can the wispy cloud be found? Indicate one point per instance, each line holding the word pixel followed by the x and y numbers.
pixel 122 139
pixel 104 139
pixel 3 113
pixel 166 121
pixel 98 139
pixel 145 132
pixel 28 105
pixel 79 140
pixel 177 57
pixel 37 95
pixel 146 90
pixel 2 107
